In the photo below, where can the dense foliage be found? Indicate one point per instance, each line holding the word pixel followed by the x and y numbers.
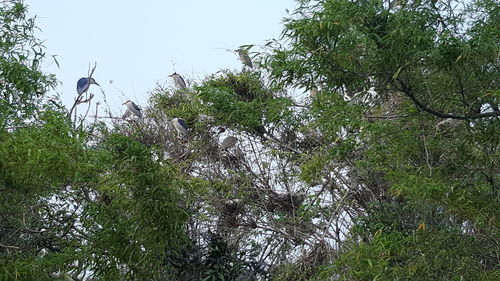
pixel 390 172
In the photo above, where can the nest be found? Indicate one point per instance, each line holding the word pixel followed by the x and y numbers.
pixel 230 212
pixel 318 255
pixel 177 150
pixel 209 147
pixel 288 203
pixel 231 161
pixel 311 141
pixel 242 88
pixel 288 136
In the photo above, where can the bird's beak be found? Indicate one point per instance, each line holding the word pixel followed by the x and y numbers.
pixel 97 84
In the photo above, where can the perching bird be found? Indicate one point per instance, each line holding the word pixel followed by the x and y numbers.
pixel 178 80
pixel 133 108
pixel 84 83
pixel 180 125
pixel 228 142
pixel 126 114
pixel 244 57
pixel 447 124
pixel 313 92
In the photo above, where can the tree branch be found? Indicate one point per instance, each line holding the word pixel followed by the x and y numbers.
pixel 408 92
pixel 385 116
pixel 9 247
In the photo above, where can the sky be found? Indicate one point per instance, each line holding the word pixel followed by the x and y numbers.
pixel 137 44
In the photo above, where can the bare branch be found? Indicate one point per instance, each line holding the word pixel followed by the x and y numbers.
pixel 385 116
pixel 9 247
pixel 93 69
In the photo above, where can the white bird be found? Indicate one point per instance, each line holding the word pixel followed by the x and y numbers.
pixel 244 57
pixel 132 108
pixel 228 142
pixel 181 126
pixel 178 80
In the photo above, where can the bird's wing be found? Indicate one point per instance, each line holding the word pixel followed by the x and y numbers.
pixel 181 81
pixel 135 106
pixel 82 85
pixel 227 142
pixel 249 62
pixel 245 58
pixel 182 123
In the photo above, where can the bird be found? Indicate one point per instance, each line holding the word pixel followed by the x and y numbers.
pixel 244 57
pixel 132 108
pixel 448 124
pixel 313 92
pixel 228 142
pixel 84 83
pixel 126 114
pixel 180 125
pixel 178 80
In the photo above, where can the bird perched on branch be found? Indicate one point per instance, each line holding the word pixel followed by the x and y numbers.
pixel 178 80
pixel 244 57
pixel 228 142
pixel 84 83
pixel 313 92
pixel 181 126
pixel 132 108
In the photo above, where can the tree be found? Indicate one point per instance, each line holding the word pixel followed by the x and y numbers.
pixel 22 84
pixel 410 90
pixel 74 206
pixel 389 172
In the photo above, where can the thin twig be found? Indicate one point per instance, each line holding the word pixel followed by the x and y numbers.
pixel 385 116
pixel 93 69
pixel 427 155
pixel 22 126
pixel 108 117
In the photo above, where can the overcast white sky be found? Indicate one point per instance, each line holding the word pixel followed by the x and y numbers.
pixel 137 44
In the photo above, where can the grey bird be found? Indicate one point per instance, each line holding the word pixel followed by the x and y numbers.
pixel 126 114
pixel 228 142
pixel 244 57
pixel 181 126
pixel 178 80
pixel 132 108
